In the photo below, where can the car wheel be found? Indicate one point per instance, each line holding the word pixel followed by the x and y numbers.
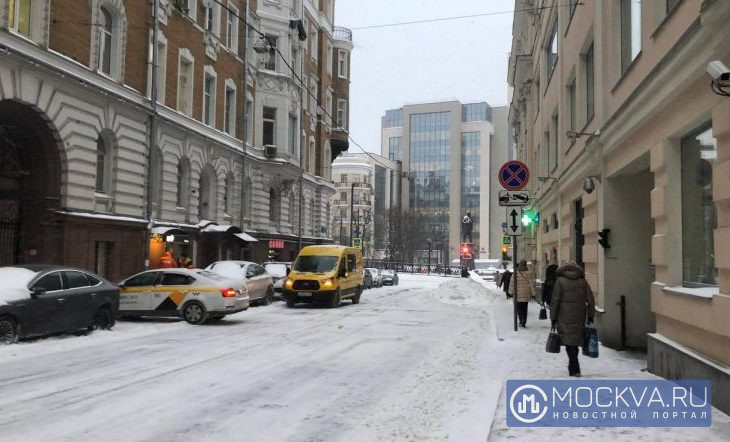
pixel 8 331
pixel 356 298
pixel 336 299
pixel 269 297
pixel 102 320
pixel 194 313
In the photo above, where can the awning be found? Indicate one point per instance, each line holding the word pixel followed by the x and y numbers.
pixel 165 230
pixel 245 237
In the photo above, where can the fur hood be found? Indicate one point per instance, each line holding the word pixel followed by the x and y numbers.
pixel 570 271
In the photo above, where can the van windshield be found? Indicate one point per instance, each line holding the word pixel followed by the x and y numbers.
pixel 316 264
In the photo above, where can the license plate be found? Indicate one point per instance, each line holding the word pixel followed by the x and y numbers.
pixel 304 294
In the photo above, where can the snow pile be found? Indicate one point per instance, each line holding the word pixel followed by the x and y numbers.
pixel 14 283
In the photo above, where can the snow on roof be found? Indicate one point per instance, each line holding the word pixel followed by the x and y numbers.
pixel 14 283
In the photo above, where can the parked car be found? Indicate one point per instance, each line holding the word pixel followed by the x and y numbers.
pixel 326 274
pixel 37 300
pixel 487 268
pixel 278 272
pixel 250 278
pixel 377 276
pixel 194 295
pixel 367 279
pixel 390 277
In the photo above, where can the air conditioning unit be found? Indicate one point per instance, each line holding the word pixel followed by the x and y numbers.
pixel 270 151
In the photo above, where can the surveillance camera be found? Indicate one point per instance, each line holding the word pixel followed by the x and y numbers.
pixel 719 72
pixel 588 185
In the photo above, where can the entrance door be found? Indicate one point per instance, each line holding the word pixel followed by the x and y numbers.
pixel 9 232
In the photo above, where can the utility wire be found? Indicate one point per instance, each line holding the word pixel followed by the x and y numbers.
pixel 461 17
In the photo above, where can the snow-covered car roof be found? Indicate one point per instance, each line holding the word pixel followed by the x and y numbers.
pixel 14 283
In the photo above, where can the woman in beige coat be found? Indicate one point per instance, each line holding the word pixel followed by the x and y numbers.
pixel 522 287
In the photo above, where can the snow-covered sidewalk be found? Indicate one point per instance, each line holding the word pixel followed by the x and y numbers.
pixel 521 355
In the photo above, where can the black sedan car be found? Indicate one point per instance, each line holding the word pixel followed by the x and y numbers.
pixel 390 277
pixel 38 300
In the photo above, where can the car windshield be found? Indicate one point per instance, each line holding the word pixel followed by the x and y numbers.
pixel 483 265
pixel 276 269
pixel 388 272
pixel 315 264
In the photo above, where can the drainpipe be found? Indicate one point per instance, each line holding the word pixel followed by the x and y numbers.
pixel 301 148
pixel 352 213
pixel 153 134
pixel 244 131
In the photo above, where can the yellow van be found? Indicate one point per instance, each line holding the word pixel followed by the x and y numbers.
pixel 325 274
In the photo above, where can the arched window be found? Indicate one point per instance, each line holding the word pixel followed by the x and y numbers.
pixel 273 205
pixel 247 199
pixel 312 227
pixel 228 194
pixel 103 164
pixel 105 40
pixel 156 170
pixel 293 212
pixel 208 192
pixel 183 183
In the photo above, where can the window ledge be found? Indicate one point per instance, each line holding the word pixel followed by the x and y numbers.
pixel 700 293
pixel 102 196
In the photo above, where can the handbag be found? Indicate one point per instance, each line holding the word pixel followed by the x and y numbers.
pixel 543 314
pixel 590 342
pixel 553 342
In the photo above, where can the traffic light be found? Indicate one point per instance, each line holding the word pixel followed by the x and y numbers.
pixel 529 217
pixel 603 238
pixel 465 249
pixel 504 253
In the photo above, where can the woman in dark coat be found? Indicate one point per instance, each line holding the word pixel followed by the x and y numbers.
pixel 548 284
pixel 572 306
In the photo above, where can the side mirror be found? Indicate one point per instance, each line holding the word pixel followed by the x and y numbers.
pixel 36 292
pixel 288 270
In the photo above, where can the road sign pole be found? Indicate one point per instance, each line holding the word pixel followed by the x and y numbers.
pixel 514 272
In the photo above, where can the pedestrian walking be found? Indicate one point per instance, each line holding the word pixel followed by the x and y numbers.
pixel 522 284
pixel 506 278
pixel 572 305
pixel 548 284
pixel 168 261
pixel 184 262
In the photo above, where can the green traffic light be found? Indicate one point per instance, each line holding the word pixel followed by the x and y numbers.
pixel 526 220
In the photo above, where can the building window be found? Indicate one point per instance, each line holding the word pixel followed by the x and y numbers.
pixel 537 95
pixel 395 148
pixel 209 98
pixel 185 82
pixel 475 112
pixel 248 121
pixel 228 194
pixel 329 61
pixel 183 182
pixel 342 114
pixel 315 44
pixel 314 93
pixel 312 156
pixel 630 32
pixel 590 83
pixel 269 126
pixel 553 160
pixel 230 111
pixel 232 28
pixel 105 41
pixel 270 62
pixel 292 135
pixel 273 205
pixel 342 63
pixel 555 221
pixel 552 50
pixel 212 18
pixel 156 171
pixel 19 16
pixel 699 217
pixel 393 118
pixel 103 164
pixel 247 198
pixel 570 92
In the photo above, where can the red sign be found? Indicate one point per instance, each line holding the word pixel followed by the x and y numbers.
pixel 276 244
pixel 514 175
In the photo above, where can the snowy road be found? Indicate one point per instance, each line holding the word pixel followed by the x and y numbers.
pixel 426 360
pixel 400 365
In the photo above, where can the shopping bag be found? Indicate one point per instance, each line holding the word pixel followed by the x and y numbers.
pixel 590 342
pixel 553 342
pixel 543 314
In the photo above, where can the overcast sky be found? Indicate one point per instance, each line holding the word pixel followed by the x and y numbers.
pixel 456 59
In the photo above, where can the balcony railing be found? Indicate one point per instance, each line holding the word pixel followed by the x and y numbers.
pixel 343 34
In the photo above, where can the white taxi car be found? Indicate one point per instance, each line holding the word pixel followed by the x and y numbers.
pixel 195 295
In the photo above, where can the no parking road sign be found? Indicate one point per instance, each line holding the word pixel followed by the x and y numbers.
pixel 514 175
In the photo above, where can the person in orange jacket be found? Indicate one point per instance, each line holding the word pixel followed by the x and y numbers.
pixel 167 261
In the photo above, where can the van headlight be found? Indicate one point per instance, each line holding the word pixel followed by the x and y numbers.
pixel 328 284
pixel 288 283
